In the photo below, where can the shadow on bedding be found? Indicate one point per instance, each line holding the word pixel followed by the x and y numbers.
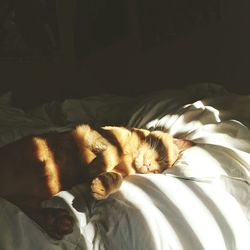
pixel 174 216
pixel 215 212
pixel 200 215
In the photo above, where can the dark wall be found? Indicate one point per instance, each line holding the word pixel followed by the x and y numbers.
pixel 216 52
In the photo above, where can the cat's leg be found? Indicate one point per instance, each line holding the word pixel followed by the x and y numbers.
pixel 56 222
pixel 105 184
pixel 87 156
pixel 104 179
pixel 105 161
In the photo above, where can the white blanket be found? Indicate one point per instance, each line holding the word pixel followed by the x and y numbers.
pixel 202 202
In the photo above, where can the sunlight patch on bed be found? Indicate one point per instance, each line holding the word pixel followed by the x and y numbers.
pixel 212 213
pixel 198 216
pixel 163 122
pixel 186 119
pixel 155 218
pixel 192 220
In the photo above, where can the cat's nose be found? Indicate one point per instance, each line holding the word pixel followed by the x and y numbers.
pixel 148 166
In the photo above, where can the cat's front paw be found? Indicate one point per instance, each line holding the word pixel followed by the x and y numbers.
pixel 105 184
pixel 98 189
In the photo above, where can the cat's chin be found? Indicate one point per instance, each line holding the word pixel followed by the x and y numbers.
pixel 143 170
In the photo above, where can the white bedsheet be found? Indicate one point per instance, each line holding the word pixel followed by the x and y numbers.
pixel 162 212
pixel 201 203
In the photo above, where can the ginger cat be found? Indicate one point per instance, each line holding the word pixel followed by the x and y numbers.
pixel 35 168
pixel 115 152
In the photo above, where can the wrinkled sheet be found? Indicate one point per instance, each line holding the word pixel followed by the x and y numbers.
pixel 200 203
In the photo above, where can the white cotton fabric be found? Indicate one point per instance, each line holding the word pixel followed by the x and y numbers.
pixel 162 212
pixel 203 202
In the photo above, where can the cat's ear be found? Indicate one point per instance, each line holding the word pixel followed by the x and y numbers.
pixel 182 144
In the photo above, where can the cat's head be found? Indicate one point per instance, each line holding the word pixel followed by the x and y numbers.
pixel 158 152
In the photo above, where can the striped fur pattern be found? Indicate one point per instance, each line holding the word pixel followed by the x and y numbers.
pixel 37 167
pixel 111 153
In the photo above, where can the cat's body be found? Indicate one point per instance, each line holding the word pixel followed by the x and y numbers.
pixel 35 168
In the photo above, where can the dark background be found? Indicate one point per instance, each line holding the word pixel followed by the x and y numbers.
pixel 135 47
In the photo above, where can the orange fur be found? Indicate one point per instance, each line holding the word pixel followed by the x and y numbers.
pixel 51 170
pixel 37 167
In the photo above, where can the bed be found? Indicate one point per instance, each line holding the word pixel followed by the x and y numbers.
pixel 203 202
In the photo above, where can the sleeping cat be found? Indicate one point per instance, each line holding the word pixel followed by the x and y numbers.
pixel 112 153
pixel 35 168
